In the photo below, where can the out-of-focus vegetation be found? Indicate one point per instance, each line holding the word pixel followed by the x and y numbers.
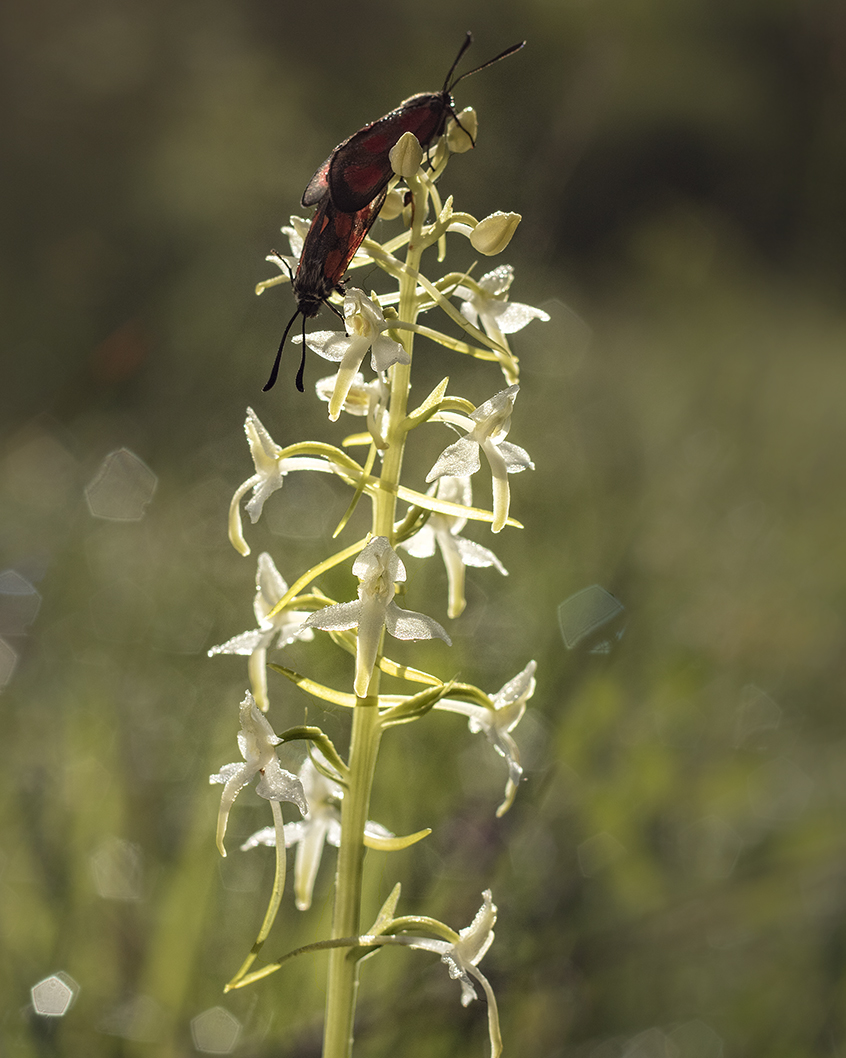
pixel 672 878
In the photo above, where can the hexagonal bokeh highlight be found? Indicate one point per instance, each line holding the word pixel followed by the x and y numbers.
pixel 695 1039
pixel 53 996
pixel 8 660
pixel 19 603
pixel 652 1043
pixel 121 488
pixel 592 620
pixel 215 1031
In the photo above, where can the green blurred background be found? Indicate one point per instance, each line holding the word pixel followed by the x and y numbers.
pixel 672 878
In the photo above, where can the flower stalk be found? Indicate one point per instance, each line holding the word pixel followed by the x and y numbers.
pixel 366 728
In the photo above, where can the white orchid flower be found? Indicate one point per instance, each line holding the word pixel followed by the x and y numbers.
pixel 271 469
pixel 365 325
pixel 257 743
pixel 462 958
pixel 444 531
pixel 490 423
pixel 284 627
pixel 487 302
pixel 363 398
pixel 497 721
pixel 378 569
pixel 296 232
pixel 320 825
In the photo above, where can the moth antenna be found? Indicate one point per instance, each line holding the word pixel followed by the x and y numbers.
pixel 468 40
pixel 281 259
pixel 485 65
pixel 301 370
pixel 466 133
pixel 275 370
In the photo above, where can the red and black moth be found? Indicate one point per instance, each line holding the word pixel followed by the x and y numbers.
pixel 360 167
pixel 349 189
pixel 329 246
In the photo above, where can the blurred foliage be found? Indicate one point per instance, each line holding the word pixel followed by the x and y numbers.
pixel 671 878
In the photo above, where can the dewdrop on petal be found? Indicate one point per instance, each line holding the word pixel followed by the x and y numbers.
pixel 494 233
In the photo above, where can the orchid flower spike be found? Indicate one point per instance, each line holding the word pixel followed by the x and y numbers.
pixel 365 325
pixel 320 825
pixel 491 422
pixel 257 743
pixel 379 570
pixel 497 722
pixel 444 531
pixel 284 627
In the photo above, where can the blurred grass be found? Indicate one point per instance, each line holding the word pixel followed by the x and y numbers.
pixel 670 879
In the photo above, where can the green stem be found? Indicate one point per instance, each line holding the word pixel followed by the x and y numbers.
pixel 342 984
pixel 343 970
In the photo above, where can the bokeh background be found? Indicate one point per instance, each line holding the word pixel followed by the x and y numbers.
pixel 672 878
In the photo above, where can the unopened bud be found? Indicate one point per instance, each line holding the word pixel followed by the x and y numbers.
pixel 461 131
pixel 493 234
pixel 406 156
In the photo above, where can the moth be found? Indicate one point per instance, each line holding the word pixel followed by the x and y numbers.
pixel 349 189
pixel 360 167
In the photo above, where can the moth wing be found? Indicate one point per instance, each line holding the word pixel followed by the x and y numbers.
pixel 364 219
pixel 318 186
pixel 331 243
pixel 360 168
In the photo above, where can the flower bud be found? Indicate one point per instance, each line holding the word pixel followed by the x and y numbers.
pixel 493 234
pixel 406 156
pixel 461 131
